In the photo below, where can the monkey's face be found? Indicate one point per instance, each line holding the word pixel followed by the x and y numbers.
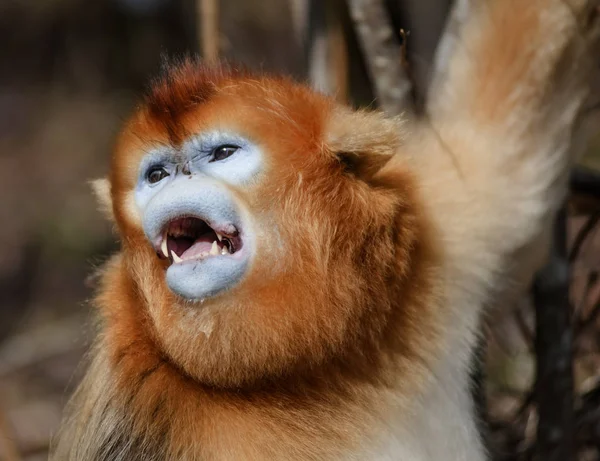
pixel 190 212
pixel 252 225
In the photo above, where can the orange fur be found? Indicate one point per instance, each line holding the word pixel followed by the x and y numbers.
pixel 350 335
pixel 310 341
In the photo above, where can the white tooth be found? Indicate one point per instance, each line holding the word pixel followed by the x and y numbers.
pixel 219 236
pixel 214 249
pixel 225 251
pixel 163 246
pixel 176 258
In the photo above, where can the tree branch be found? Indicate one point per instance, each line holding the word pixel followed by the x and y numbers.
pixel 383 56
pixel 327 49
pixel 208 10
pixel 554 349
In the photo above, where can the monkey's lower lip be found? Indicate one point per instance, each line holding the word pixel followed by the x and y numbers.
pixel 192 239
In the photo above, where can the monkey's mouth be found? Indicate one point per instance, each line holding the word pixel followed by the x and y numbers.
pixel 192 239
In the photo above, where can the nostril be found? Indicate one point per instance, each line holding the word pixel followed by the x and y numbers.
pixel 186 169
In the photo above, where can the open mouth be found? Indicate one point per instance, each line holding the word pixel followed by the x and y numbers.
pixel 192 239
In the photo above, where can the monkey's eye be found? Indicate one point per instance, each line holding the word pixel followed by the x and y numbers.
pixel 156 174
pixel 222 152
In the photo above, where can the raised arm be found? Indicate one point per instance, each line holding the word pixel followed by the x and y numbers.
pixel 505 120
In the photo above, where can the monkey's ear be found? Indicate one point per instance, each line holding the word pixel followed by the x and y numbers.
pixel 101 189
pixel 363 141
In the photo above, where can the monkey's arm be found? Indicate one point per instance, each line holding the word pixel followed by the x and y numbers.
pixel 504 123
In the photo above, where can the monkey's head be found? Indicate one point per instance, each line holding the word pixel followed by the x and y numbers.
pixel 259 228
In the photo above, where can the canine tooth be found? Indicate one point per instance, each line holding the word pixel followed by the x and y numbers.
pixel 219 236
pixel 163 246
pixel 176 258
pixel 214 249
pixel 225 250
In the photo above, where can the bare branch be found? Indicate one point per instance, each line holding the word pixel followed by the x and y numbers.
pixel 426 20
pixel 554 348
pixel 208 10
pixel 327 50
pixel 383 56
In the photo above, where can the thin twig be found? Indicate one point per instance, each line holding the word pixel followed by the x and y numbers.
pixel 208 10
pixel 404 47
pixel 525 331
pixel 327 49
pixel 584 321
pixel 585 181
pixel 588 227
pixel 383 56
pixel 589 320
pixel 554 348
pixel 426 20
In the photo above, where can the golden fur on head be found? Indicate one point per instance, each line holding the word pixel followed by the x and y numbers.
pixel 336 234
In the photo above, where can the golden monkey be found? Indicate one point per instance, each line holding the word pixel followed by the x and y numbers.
pixel 301 281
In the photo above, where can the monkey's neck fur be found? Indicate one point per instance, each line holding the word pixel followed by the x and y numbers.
pixel 380 406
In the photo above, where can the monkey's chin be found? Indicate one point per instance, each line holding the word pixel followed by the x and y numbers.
pixel 197 280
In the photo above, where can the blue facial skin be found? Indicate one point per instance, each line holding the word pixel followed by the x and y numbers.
pixel 196 186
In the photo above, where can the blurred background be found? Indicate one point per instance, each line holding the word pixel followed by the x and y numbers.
pixel 71 71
